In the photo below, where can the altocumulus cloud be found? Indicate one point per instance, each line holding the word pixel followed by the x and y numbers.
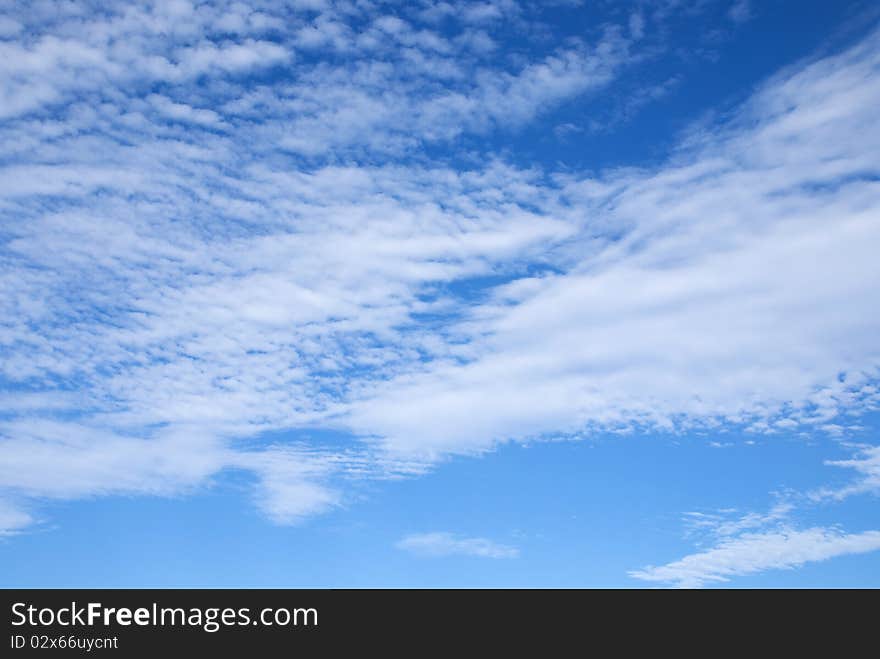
pixel 746 264
pixel 214 229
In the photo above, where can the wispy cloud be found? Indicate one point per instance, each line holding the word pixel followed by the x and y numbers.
pixel 724 524
pixel 13 519
pixel 866 463
pixel 447 544
pixel 751 553
pixel 740 11
pixel 754 542
pixel 734 285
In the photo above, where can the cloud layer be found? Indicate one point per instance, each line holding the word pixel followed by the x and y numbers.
pixel 733 285
pixel 220 223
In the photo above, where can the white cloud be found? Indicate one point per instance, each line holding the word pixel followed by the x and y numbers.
pixel 867 464
pixel 740 11
pixel 637 25
pixel 60 57
pixel 13 519
pixel 734 285
pixel 182 111
pixel 723 526
pixel 293 480
pixel 744 544
pixel 393 107
pixel 9 27
pixel 439 543
pixel 751 553
pixel 48 459
pixel 174 280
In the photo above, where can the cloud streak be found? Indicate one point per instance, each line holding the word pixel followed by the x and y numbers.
pixel 866 463
pixel 439 544
pixel 751 553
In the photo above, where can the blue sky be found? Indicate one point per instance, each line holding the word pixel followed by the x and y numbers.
pixel 439 294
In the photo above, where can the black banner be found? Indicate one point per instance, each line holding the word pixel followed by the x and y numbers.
pixel 193 622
